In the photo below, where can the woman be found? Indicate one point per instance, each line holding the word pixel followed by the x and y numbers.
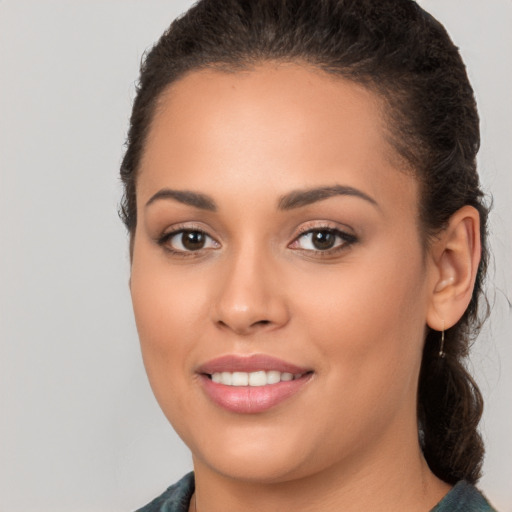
pixel 308 242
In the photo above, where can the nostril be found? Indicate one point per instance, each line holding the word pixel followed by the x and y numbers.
pixel 244 328
pixel 262 322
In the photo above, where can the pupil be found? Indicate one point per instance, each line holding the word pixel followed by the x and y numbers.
pixel 193 240
pixel 323 240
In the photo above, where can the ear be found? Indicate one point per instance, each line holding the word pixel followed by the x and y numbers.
pixel 455 256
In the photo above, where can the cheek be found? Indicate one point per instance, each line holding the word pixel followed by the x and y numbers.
pixel 165 306
pixel 164 316
pixel 368 322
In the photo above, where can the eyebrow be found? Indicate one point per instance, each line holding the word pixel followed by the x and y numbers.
pixel 294 199
pixel 299 198
pixel 187 197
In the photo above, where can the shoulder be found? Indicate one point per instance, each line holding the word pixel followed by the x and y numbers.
pixel 464 497
pixel 175 499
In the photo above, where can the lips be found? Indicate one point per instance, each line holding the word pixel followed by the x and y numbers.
pixel 251 384
pixel 252 363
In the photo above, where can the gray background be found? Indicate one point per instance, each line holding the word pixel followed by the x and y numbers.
pixel 79 427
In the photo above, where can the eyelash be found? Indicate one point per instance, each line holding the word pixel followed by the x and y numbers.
pixel 164 240
pixel 346 238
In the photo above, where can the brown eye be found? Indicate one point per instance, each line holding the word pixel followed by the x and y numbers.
pixel 188 240
pixel 193 240
pixel 323 240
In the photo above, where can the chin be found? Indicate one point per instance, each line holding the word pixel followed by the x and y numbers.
pixel 257 454
pixel 258 467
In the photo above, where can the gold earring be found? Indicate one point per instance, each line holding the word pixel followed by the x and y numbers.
pixel 442 353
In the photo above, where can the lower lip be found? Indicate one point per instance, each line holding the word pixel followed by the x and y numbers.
pixel 252 399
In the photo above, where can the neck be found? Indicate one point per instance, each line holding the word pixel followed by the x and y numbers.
pixel 396 479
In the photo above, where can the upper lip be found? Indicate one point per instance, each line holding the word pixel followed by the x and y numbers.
pixel 249 363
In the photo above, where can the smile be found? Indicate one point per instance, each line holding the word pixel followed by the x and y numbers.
pixel 251 384
pixel 259 378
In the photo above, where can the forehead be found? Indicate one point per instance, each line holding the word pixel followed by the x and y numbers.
pixel 275 125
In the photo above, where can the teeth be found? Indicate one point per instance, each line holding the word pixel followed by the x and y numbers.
pixel 260 378
pixel 227 378
pixel 238 379
pixel 257 378
pixel 273 377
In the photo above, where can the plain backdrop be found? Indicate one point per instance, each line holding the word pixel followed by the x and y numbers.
pixel 79 427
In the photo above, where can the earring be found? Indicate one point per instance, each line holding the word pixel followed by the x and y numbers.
pixel 442 353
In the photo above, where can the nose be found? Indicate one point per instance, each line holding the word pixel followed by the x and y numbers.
pixel 251 298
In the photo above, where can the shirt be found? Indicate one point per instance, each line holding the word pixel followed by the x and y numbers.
pixel 463 497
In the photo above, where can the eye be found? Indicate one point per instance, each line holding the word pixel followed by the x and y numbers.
pixel 323 239
pixel 188 240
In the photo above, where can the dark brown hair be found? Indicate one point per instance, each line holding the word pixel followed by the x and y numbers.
pixel 403 54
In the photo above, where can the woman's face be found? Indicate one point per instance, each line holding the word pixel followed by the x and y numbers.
pixel 277 234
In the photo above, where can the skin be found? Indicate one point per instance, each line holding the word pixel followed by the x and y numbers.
pixel 356 314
